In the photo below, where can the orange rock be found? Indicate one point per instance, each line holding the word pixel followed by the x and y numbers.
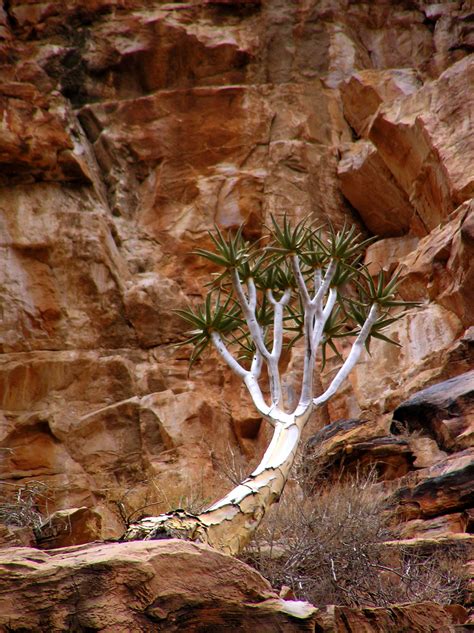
pixel 34 143
pixel 416 618
pixel 122 587
pixel 196 113
pixel 386 254
pixel 14 536
pixel 386 211
pixel 433 528
pixel 73 526
pixel 441 268
pixel 422 141
pixel 384 378
pixel 366 90
pixel 147 302
pixel 350 445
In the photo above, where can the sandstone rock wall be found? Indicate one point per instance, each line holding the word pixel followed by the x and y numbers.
pixel 127 129
pixel 122 587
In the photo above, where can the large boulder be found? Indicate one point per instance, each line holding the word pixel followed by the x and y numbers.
pixel 441 267
pixel 386 211
pixel 140 586
pixel 171 586
pixel 422 140
pixel 367 90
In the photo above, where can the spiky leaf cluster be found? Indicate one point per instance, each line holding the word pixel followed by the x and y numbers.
pixel 269 266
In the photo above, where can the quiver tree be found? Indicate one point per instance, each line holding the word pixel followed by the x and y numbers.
pixel 302 284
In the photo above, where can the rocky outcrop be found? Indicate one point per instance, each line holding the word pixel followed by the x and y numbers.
pixel 428 152
pixel 127 130
pixel 440 269
pixel 170 585
pixel 73 526
pixel 139 587
pixel 444 411
pixel 386 211
pixel 424 449
pixel 423 617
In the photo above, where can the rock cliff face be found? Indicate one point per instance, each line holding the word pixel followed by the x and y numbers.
pixel 127 129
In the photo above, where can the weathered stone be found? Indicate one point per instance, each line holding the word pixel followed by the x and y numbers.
pixel 446 487
pixel 140 586
pixel 433 528
pixel 69 426
pixel 425 449
pixel 389 372
pixel 15 536
pixel 452 35
pixel 386 211
pixel 426 545
pixel 422 617
pixel 422 141
pixel 386 254
pixel 48 304
pixel 445 411
pixel 260 138
pixel 353 445
pixel 37 138
pixel 441 268
pixel 148 304
pixel 196 113
pixel 166 48
pixel 366 90
pixel 73 526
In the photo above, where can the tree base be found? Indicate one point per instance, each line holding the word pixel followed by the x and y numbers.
pixel 177 524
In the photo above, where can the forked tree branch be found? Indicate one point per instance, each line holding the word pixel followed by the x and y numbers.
pixel 352 358
pixel 229 523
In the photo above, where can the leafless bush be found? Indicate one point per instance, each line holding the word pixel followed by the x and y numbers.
pixel 330 548
pixel 233 467
pixel 20 505
pixel 189 496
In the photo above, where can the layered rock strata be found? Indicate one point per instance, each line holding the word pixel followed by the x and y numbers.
pixel 127 129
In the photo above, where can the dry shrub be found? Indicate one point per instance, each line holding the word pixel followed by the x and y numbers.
pixel 233 467
pixel 330 549
pixel 20 504
pixel 151 498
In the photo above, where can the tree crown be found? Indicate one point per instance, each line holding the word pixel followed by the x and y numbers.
pixel 295 260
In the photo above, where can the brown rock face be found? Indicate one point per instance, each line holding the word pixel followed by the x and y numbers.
pixel 421 617
pixel 69 527
pixel 127 129
pixel 441 268
pixel 366 90
pixel 125 587
pixel 174 586
pixel 428 151
pixel 444 410
pixel 386 211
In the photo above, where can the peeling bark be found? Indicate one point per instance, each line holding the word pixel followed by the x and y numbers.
pixel 229 524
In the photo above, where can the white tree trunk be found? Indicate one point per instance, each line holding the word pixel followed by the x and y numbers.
pixel 230 523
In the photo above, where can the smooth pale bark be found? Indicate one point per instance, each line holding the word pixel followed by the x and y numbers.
pixel 230 523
